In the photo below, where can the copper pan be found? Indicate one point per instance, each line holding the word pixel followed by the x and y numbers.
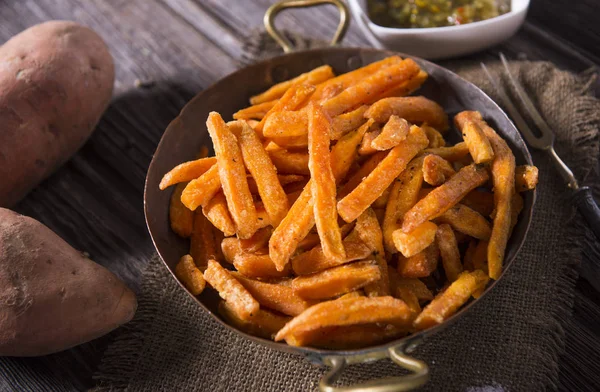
pixel 187 133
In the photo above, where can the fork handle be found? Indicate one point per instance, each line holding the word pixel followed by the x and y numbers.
pixel 584 200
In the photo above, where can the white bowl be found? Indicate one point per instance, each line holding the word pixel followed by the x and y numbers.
pixel 441 42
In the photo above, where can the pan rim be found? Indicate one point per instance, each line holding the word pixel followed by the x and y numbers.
pixel 317 355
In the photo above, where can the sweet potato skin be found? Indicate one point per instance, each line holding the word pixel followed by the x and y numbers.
pixel 51 296
pixel 56 80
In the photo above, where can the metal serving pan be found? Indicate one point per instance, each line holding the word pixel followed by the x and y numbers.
pixel 187 133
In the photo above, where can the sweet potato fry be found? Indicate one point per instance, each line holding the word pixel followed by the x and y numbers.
pixel 314 260
pixel 233 176
pixel 468 257
pixel 284 179
pixel 293 99
pixel 286 124
pixel 436 139
pixel 349 337
pixel 336 281
pixel 263 323
pixel 465 220
pixel 369 231
pixel 480 201
pixel 180 217
pixel 480 256
pixel 503 176
pixel 189 275
pixel 365 146
pixel 202 242
pixel 257 111
pixel 403 195
pixel 410 299
pixel 442 198
pixel 447 303
pixel 372 85
pixel 258 265
pixel 289 162
pixel 392 133
pixel 403 89
pixel 362 173
pixel 217 213
pixel 346 122
pixel 274 296
pixel 344 312
pixel 354 77
pixel 261 168
pixel 294 227
pixel 230 247
pixel 198 192
pixel 409 244
pixel 416 110
pixel 231 290
pixel 300 219
pixel 316 76
pixel 526 178
pixel 187 171
pixel 420 265
pixel 436 170
pixel 262 216
pixel 323 183
pixel 291 142
pixel 260 240
pixel 416 286
pixel 449 252
pixel 382 200
pixel 452 154
pixel 353 204
pixel 479 145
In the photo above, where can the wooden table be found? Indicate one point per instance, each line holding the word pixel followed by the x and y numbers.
pixel 167 51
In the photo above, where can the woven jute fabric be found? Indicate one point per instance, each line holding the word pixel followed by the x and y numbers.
pixel 510 341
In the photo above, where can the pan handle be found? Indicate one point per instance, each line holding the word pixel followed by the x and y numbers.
pixel 287 46
pixel 419 373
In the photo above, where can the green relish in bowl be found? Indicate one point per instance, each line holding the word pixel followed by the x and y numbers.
pixel 434 13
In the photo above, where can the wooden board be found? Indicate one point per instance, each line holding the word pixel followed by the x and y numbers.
pixel 174 49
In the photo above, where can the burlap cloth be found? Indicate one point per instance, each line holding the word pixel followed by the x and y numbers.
pixel 510 341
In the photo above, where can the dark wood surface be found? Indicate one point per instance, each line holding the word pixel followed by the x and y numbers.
pixel 167 51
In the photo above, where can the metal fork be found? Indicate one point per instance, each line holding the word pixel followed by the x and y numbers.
pixel 581 195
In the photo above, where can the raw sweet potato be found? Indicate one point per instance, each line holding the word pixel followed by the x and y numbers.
pixel 56 79
pixel 51 296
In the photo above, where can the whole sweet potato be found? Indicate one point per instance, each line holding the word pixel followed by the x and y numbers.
pixel 51 296
pixel 56 79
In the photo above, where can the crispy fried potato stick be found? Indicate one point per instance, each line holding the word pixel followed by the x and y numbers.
pixel 503 175
pixel 189 275
pixel 344 312
pixel 233 176
pixel 416 110
pixel 465 220
pixel 180 217
pixel 263 171
pixel 263 323
pixel 353 204
pixel 323 183
pixel 336 281
pixel 442 198
pixel 316 76
pixel 187 171
pixel 374 84
pixel 231 290
pixel 392 133
pixel 447 303
pixel 446 241
pixel 279 297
